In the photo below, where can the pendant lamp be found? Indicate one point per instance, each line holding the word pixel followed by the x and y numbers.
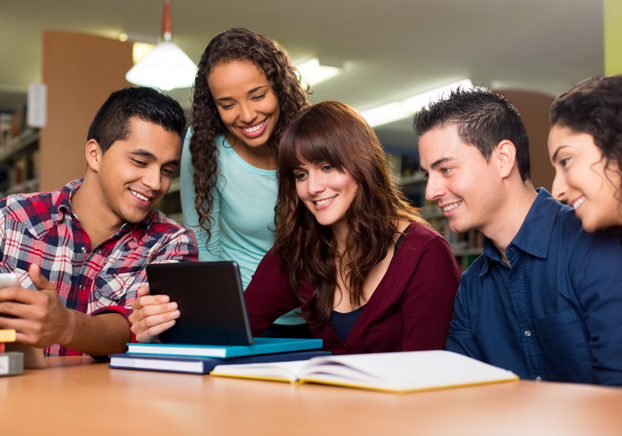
pixel 166 66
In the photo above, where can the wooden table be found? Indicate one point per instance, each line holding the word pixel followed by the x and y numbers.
pixel 75 396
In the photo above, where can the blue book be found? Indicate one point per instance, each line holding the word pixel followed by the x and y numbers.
pixel 260 346
pixel 201 365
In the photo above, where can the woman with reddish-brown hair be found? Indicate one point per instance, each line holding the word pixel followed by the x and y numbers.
pixel 367 270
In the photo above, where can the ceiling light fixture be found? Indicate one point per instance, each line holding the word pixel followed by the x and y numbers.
pixel 166 66
pixel 315 71
pixel 407 107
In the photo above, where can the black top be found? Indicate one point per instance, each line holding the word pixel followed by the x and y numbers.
pixel 342 323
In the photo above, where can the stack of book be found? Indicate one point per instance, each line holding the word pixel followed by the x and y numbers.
pixel 202 359
pixel 11 362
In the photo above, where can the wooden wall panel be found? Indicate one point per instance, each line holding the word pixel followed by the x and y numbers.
pixel 80 71
pixel 534 110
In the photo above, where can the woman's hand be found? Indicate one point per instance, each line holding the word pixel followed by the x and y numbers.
pixel 152 314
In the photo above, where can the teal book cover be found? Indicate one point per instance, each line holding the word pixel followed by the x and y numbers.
pixel 260 346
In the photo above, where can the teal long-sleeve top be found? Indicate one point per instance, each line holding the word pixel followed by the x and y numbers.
pixel 242 212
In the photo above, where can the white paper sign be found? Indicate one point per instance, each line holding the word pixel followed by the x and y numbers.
pixel 37 104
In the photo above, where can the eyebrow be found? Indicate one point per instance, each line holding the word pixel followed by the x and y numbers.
pixel 248 92
pixel 149 155
pixel 440 162
pixel 554 158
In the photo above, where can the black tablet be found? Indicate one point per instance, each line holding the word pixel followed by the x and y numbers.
pixel 210 299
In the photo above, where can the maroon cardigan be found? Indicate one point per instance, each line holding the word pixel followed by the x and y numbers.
pixel 410 309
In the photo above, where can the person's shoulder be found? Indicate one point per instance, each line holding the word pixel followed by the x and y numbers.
pixel 158 223
pixel 24 207
pixel 420 233
pixel 603 243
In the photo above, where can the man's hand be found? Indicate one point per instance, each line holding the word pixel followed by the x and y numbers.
pixel 41 319
pixel 152 314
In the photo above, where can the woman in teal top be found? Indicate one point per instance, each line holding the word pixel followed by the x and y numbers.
pixel 246 93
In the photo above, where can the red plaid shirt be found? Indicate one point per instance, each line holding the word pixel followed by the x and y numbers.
pixel 41 228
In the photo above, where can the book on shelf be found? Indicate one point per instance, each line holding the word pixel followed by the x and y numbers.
pixel 201 365
pixel 259 346
pixel 393 372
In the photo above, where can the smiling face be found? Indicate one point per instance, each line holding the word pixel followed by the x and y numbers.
pixel 582 178
pixel 246 102
pixel 134 174
pixel 460 181
pixel 326 192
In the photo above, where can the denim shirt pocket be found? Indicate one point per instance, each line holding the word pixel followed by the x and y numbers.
pixel 565 347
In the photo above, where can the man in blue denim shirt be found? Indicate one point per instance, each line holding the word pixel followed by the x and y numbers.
pixel 542 301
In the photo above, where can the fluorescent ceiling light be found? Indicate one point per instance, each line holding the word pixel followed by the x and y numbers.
pixel 407 107
pixel 315 73
pixel 166 66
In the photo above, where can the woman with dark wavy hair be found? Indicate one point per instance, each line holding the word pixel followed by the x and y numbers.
pixel 367 270
pixel 245 94
pixel 585 145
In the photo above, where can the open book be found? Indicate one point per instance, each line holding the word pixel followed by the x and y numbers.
pixel 394 372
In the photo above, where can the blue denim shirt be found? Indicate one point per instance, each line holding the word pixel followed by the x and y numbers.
pixel 556 314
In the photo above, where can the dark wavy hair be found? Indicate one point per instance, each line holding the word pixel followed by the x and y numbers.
pixel 273 60
pixel 594 106
pixel 484 119
pixel 334 133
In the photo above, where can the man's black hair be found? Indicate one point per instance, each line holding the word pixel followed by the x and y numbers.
pixel 112 121
pixel 484 119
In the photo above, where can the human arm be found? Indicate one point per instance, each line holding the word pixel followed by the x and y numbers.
pixel 42 320
pixel 207 251
pixel 427 304
pixel 152 314
pixel 461 339
pixel 596 277
pixel 269 295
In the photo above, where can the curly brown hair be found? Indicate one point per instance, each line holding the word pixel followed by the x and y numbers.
pixel 334 133
pixel 273 60
pixel 594 106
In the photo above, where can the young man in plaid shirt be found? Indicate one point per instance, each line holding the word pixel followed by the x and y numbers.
pixel 82 251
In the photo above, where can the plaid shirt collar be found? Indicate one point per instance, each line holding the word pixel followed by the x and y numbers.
pixel 41 223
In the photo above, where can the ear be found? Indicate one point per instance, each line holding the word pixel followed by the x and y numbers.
pixel 93 155
pixel 506 156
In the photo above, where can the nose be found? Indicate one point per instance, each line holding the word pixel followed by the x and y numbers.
pixel 434 189
pixel 152 178
pixel 247 113
pixel 315 183
pixel 559 187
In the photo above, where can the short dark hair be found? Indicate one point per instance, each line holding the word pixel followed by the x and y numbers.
pixel 594 106
pixel 484 119
pixel 111 123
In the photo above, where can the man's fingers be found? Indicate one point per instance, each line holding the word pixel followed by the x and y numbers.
pixel 149 334
pixel 142 291
pixel 22 295
pixel 40 282
pixel 149 300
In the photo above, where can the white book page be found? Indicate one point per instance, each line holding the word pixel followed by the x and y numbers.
pixel 404 371
pixel 284 370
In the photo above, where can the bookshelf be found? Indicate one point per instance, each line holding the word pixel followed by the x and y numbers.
pixel 19 155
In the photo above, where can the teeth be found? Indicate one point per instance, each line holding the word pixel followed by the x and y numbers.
pixel 321 202
pixel 579 202
pixel 142 197
pixel 254 129
pixel 451 206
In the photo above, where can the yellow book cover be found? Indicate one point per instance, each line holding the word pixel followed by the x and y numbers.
pixel 7 335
